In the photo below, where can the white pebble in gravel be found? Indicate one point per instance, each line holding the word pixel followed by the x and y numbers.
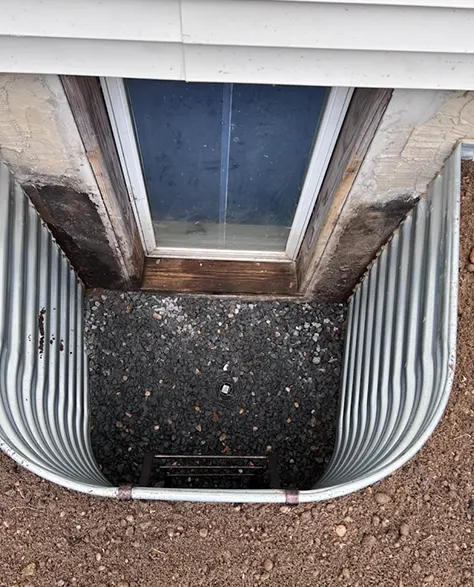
pixel 382 498
pixel 268 565
pixel 404 529
pixel 340 530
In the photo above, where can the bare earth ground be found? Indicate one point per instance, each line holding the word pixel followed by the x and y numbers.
pixel 422 536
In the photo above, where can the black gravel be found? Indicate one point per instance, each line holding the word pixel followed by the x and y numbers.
pixel 188 375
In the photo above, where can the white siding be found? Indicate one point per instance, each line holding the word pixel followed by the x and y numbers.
pixel 383 43
pixel 327 26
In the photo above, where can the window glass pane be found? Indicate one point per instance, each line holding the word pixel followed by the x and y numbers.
pixel 272 133
pixel 224 164
pixel 178 127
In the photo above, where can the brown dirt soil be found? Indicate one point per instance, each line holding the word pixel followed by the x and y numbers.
pixel 422 536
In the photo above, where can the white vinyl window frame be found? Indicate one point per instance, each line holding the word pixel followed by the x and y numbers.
pixel 120 116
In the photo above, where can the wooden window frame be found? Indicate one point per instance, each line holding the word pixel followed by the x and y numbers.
pixel 363 118
pixel 87 105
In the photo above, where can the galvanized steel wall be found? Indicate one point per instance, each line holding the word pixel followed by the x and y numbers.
pixel 398 363
pixel 44 422
pixel 400 348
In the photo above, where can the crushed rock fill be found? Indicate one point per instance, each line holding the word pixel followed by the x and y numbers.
pixel 213 376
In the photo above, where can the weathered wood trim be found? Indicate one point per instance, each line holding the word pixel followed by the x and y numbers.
pixel 362 120
pixel 89 110
pixel 219 277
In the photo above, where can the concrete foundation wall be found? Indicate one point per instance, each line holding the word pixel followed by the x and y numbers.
pixel 40 143
pixel 39 139
pixel 419 130
pixel 418 133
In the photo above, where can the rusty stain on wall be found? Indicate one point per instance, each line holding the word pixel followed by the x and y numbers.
pixel 41 331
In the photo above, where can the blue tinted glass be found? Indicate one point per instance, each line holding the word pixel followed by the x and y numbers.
pixel 178 127
pixel 273 129
pixel 224 164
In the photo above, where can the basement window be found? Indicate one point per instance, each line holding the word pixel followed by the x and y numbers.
pixel 220 170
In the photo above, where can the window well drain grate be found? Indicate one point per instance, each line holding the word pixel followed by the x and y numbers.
pixel 209 472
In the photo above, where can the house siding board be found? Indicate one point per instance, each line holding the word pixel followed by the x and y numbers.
pixel 411 44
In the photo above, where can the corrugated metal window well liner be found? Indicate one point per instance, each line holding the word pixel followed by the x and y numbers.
pixel 398 361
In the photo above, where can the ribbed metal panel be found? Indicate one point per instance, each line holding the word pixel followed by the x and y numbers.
pixel 44 422
pixel 401 344
pixel 398 361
